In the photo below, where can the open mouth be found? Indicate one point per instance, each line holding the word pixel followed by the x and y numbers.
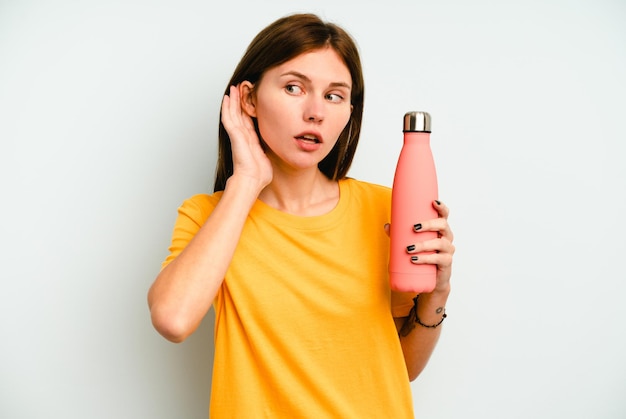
pixel 312 139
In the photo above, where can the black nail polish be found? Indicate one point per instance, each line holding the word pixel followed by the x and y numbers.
pixel 417 226
pixel 410 248
pixel 438 202
pixel 414 258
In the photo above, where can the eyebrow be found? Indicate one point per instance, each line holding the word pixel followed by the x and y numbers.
pixel 308 80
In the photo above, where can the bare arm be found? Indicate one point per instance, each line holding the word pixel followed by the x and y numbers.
pixel 419 343
pixel 184 290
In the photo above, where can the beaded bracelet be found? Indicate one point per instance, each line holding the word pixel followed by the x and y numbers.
pixel 413 319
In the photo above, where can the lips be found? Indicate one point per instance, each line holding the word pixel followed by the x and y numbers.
pixel 310 137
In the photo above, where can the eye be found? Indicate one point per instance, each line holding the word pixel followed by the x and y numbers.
pixel 293 89
pixel 334 97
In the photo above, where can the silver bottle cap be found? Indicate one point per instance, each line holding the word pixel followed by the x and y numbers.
pixel 416 122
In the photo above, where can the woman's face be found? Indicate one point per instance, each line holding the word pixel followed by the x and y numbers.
pixel 301 107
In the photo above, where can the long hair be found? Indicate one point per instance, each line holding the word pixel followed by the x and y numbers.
pixel 279 42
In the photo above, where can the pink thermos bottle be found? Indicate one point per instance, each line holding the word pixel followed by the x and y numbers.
pixel 414 189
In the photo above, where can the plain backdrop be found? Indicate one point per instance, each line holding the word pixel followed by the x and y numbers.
pixel 108 121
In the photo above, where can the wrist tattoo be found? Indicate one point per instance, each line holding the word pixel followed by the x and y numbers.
pixel 413 319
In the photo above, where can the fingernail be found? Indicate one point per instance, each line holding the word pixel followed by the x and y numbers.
pixel 438 202
pixel 413 258
pixel 410 248
pixel 417 226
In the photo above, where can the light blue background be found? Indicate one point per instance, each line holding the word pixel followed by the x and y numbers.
pixel 108 120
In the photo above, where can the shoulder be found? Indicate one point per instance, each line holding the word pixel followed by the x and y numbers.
pixel 369 198
pixel 198 207
pixel 367 189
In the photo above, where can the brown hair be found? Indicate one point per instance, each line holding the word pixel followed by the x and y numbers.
pixel 279 42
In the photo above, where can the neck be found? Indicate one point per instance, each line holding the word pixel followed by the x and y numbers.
pixel 305 194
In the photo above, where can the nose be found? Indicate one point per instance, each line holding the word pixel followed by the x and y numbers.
pixel 314 110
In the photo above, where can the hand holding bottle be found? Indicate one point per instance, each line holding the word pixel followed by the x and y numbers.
pixel 414 190
pixel 438 251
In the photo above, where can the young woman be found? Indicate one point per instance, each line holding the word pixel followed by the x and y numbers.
pixel 292 254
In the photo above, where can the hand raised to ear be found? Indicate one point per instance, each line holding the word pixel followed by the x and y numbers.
pixel 249 159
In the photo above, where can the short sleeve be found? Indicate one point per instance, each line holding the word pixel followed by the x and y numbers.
pixel 191 217
pixel 401 303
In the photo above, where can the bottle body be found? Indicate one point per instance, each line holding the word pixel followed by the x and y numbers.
pixel 414 190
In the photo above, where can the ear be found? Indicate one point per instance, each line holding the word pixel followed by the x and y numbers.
pixel 247 99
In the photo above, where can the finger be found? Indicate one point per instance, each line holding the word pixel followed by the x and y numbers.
pixel 233 116
pixel 439 245
pixel 442 260
pixel 235 105
pixel 440 225
pixel 227 118
pixel 441 208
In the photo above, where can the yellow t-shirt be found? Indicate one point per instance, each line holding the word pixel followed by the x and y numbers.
pixel 304 325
